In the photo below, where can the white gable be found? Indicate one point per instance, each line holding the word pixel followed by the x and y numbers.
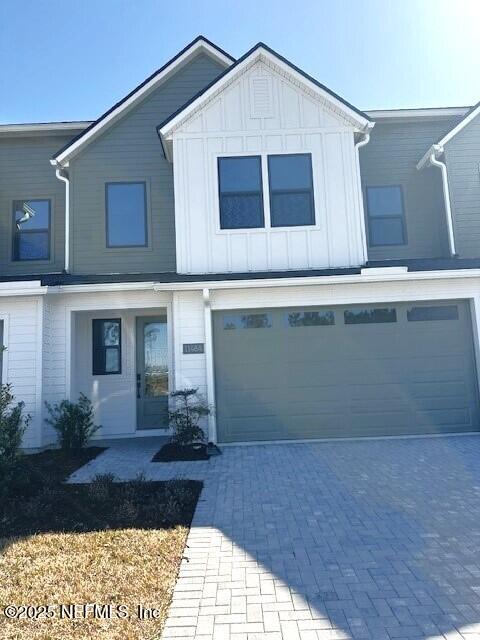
pixel 262 91
pixel 262 98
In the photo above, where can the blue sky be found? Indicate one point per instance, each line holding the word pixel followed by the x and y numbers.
pixel 68 60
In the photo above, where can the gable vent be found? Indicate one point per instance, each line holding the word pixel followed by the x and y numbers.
pixel 261 97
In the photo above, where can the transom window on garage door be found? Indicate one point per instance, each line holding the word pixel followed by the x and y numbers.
pixel 247 321
pixel 290 191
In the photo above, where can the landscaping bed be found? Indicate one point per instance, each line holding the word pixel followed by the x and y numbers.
pixel 104 543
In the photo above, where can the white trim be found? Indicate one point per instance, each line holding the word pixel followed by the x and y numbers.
pixel 5 318
pixel 438 148
pixel 462 124
pixel 364 140
pixel 39 372
pixel 64 177
pixel 446 198
pixel 43 127
pixel 199 46
pixel 260 53
pixel 69 351
pixel 385 274
pixel 435 112
pixel 210 366
pixel 22 288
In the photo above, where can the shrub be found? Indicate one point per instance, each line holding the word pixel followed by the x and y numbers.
pixel 12 427
pixel 185 417
pixel 73 421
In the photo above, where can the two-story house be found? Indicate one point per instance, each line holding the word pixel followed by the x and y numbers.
pixel 234 225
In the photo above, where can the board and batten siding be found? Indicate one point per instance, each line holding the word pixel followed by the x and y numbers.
pixel 462 154
pixel 297 123
pixel 23 320
pixel 26 173
pixel 390 158
pixel 131 151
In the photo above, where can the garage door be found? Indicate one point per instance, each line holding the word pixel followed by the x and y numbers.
pixel 345 371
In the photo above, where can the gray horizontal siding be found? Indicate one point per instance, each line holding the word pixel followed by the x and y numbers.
pixel 131 150
pixel 462 155
pixel 390 158
pixel 26 173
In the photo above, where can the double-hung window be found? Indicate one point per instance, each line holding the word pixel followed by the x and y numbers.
pixel 107 346
pixel 126 204
pixel 386 216
pixel 31 230
pixel 290 191
pixel 240 192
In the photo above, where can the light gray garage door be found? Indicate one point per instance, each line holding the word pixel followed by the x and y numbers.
pixel 345 371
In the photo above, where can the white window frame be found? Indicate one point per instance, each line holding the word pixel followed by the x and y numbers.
pixel 267 227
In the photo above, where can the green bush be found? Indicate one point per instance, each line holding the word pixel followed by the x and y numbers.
pixel 185 417
pixel 12 427
pixel 73 422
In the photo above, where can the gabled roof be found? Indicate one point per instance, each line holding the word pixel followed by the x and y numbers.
pixel 361 119
pixel 470 115
pixel 199 45
pixel 438 147
pixel 43 128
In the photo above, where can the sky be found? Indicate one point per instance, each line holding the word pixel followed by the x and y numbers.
pixel 73 59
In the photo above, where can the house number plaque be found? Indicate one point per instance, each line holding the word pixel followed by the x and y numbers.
pixel 194 347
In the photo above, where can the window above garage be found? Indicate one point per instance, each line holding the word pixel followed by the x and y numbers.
pixel 284 199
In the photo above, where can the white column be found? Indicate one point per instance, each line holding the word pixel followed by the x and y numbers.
pixel 212 422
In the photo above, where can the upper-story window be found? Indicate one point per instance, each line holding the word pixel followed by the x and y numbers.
pixel 290 191
pixel 31 230
pixel 386 216
pixel 241 194
pixel 126 210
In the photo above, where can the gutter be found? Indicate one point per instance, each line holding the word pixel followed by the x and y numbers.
pixel 365 139
pixel 367 275
pixel 431 159
pixel 62 175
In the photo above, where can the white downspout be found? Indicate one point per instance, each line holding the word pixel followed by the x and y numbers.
pixel 446 196
pixel 361 143
pixel 63 176
pixel 212 421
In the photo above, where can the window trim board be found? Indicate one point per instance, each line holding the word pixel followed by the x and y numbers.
pixel 146 218
pixel 262 193
pixel 318 225
pixel 311 190
pixel 14 231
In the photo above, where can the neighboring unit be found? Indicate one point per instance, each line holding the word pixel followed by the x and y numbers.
pixel 234 225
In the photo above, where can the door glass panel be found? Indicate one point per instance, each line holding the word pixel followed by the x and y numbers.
pixel 156 359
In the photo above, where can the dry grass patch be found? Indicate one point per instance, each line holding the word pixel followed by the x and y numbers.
pixel 127 567
pixel 116 545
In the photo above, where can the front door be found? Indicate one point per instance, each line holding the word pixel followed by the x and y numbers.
pixel 152 372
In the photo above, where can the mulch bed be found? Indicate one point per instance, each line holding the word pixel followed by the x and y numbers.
pixel 172 452
pixel 39 501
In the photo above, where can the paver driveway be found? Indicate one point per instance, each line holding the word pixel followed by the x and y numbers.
pixel 367 539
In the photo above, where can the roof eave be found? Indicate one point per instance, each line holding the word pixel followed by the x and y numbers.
pixel 200 44
pixel 165 129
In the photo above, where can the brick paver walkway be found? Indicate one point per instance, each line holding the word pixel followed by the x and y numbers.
pixel 362 540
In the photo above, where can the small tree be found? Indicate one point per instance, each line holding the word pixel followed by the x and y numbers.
pixel 73 422
pixel 12 427
pixel 184 419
